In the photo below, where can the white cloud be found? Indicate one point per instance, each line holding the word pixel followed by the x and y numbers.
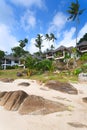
pixel 32 47
pixel 68 39
pixel 6 13
pixel 29 3
pixel 7 40
pixel 28 20
pixel 46 44
pixel 58 23
pixel 82 31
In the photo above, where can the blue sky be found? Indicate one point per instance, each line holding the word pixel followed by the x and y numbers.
pixel 21 19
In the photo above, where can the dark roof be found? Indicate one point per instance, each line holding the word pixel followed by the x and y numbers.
pixel 11 57
pixel 70 48
pixel 49 51
pixel 82 44
pixel 61 48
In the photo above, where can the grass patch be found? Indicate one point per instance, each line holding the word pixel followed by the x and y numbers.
pixel 44 77
pixel 10 74
pixel 62 77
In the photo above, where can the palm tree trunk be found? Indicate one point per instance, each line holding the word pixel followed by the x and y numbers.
pixel 77 22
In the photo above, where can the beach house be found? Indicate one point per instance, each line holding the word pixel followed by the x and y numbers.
pixel 10 60
pixel 82 47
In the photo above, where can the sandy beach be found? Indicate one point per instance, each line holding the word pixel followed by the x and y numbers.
pixel 75 118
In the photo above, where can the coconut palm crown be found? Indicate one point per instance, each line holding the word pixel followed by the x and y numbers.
pixel 39 41
pixel 75 12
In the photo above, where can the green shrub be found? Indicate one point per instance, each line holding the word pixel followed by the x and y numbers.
pixel 16 66
pixel 30 62
pixel 0 67
pixel 84 57
pixel 45 65
pixel 84 68
pixel 77 71
pixel 10 67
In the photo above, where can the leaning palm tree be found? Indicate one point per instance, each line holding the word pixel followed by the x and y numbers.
pixel 75 12
pixel 39 41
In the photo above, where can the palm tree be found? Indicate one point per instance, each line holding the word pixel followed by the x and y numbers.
pixel 75 12
pixel 52 47
pixel 47 37
pixel 23 43
pixel 50 37
pixel 38 41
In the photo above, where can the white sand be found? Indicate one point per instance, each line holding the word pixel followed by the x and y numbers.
pixel 10 120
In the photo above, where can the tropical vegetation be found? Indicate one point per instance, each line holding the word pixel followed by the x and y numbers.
pixel 37 65
pixel 75 11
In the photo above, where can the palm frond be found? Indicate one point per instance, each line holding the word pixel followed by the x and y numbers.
pixel 71 11
pixel 74 17
pixel 81 11
pixel 71 17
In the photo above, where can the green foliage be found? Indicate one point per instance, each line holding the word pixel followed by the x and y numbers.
pixel 45 65
pixel 50 37
pixel 2 54
pixel 10 67
pixel 84 57
pixel 84 68
pixel 23 43
pixel 34 64
pixel 77 71
pixel 19 51
pixel 84 38
pixel 30 62
pixel 67 55
pixel 52 47
pixel 58 54
pixel 0 67
pixel 75 12
pixel 38 41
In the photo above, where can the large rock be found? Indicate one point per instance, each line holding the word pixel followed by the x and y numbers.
pixel 7 80
pixel 84 99
pixel 82 77
pixel 19 74
pixel 15 100
pixel 24 84
pixel 2 94
pixel 5 98
pixel 63 87
pixel 29 104
pixel 38 105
